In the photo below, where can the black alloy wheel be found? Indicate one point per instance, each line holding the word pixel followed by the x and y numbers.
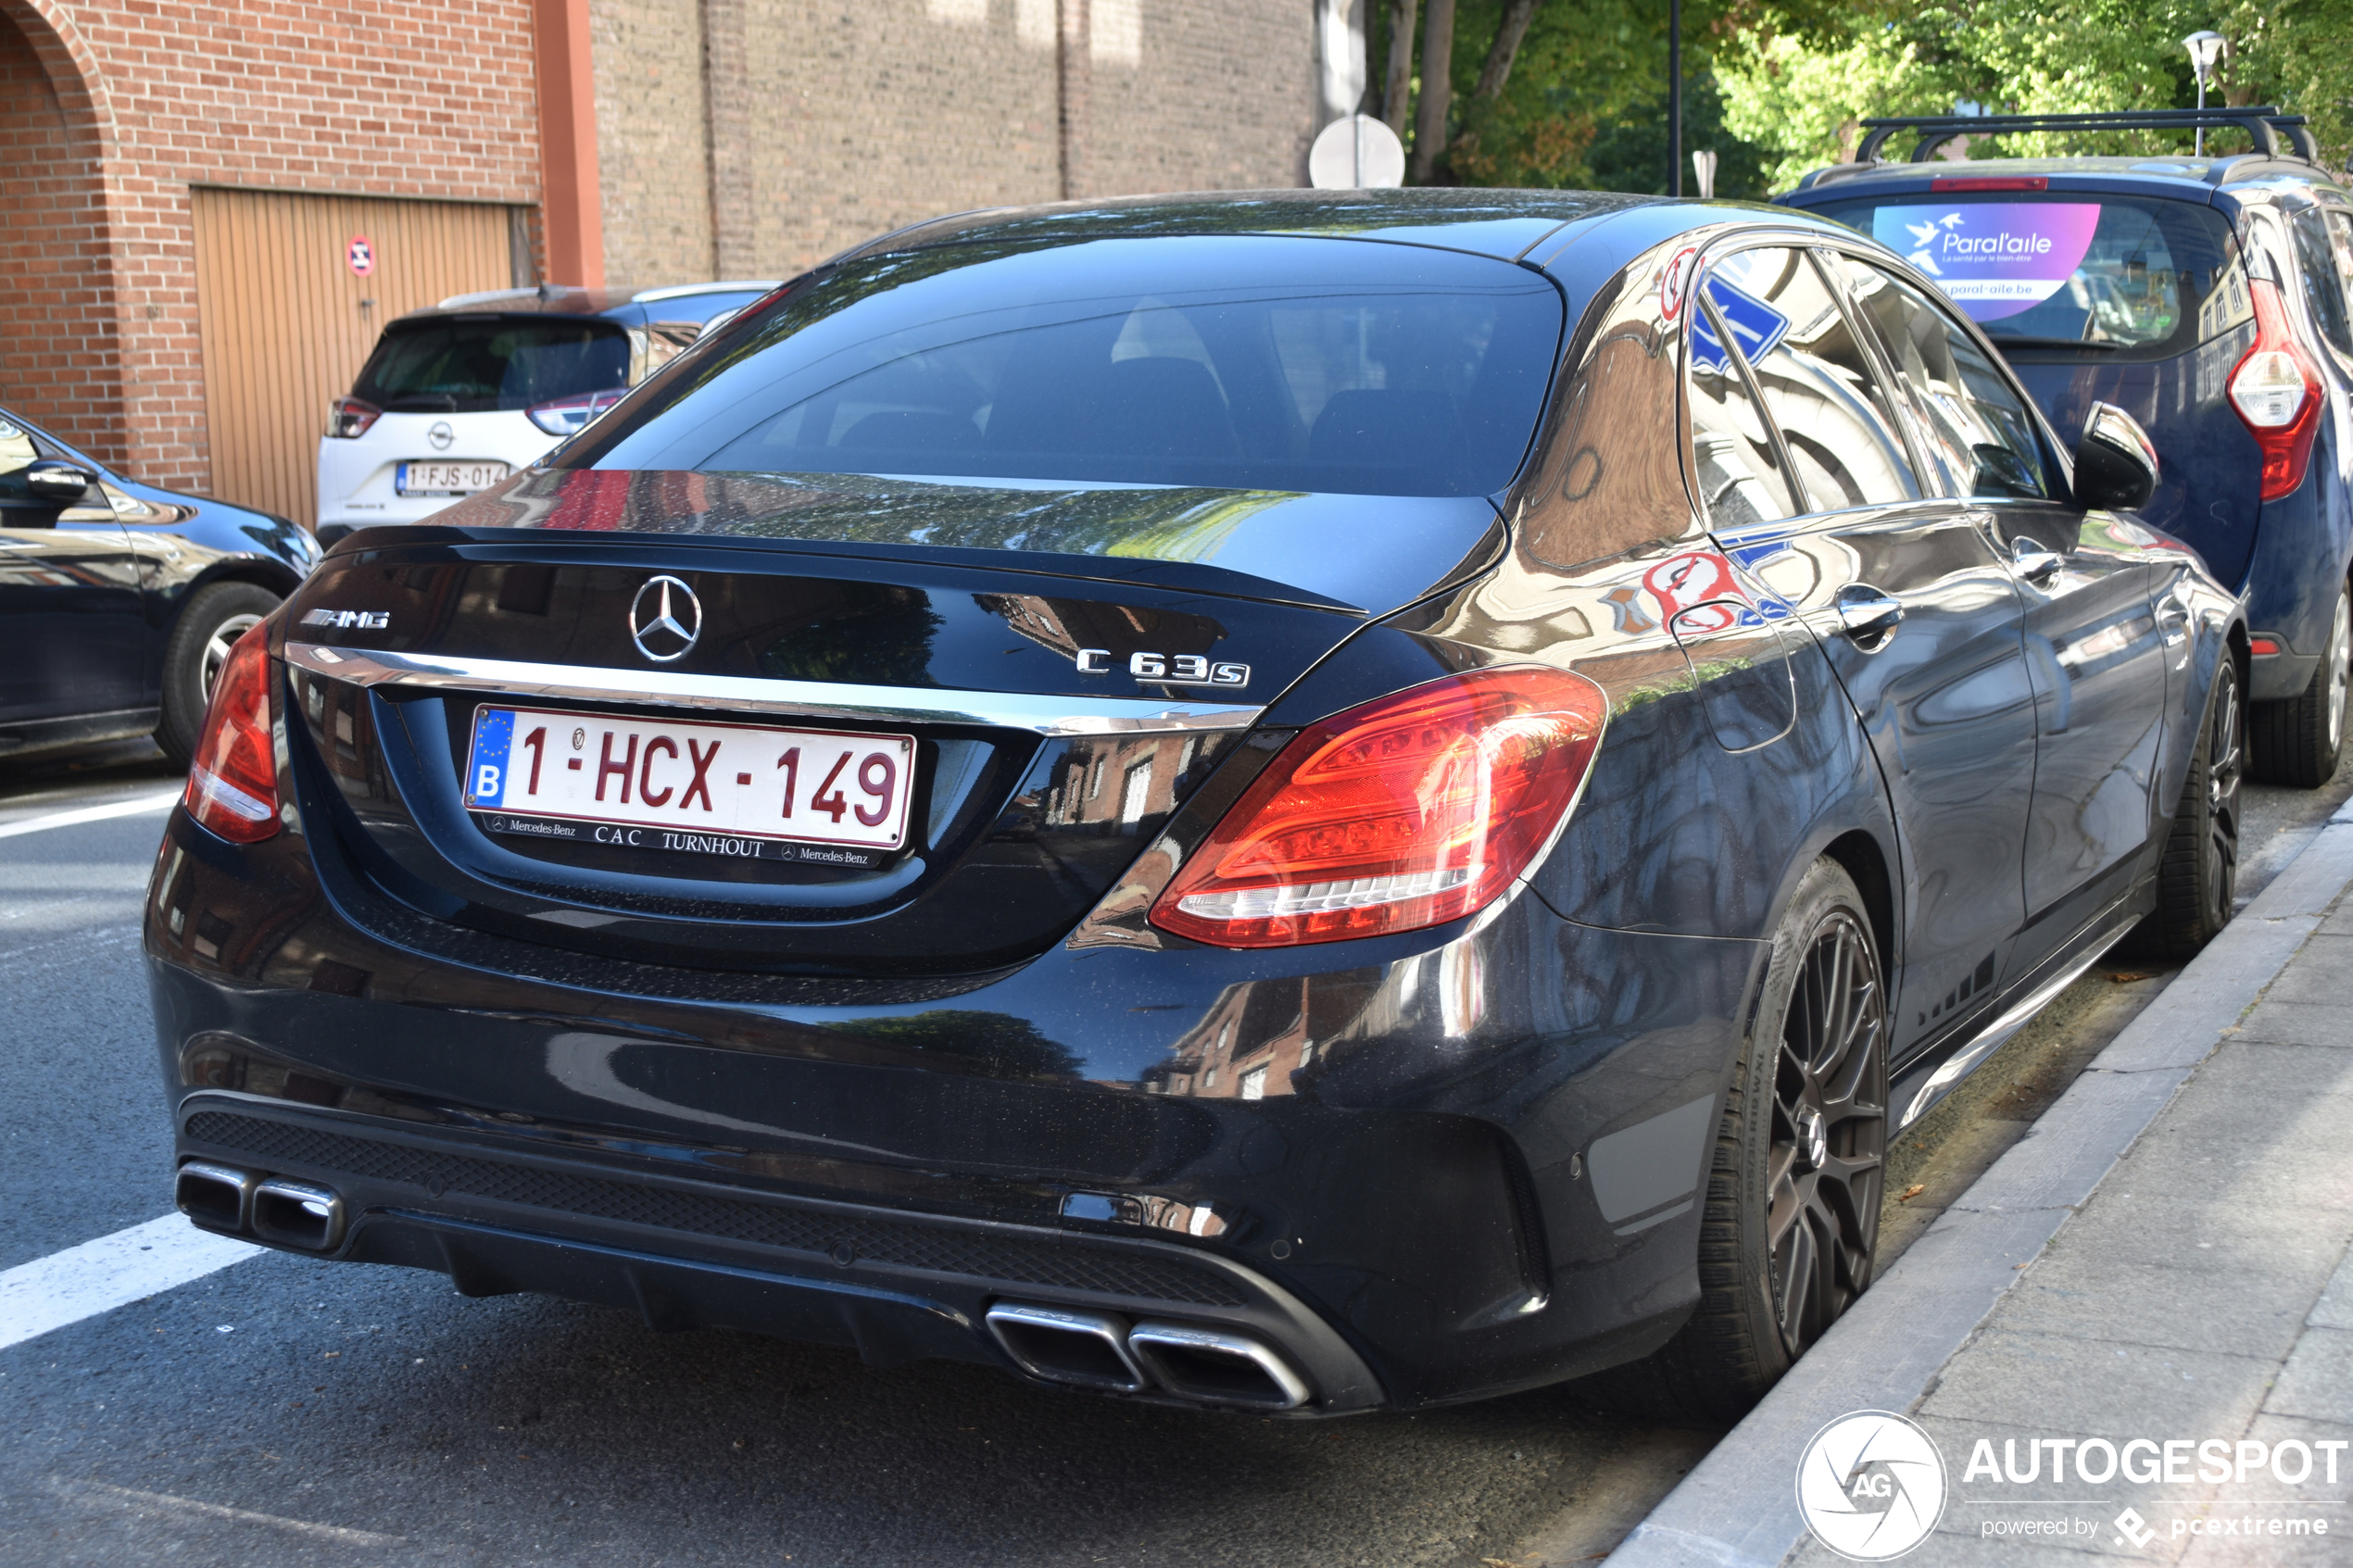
pixel 1825 1165
pixel 209 624
pixel 1790 1229
pixel 2197 881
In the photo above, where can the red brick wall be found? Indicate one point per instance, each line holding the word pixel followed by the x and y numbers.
pixel 58 365
pixel 426 98
pixel 822 124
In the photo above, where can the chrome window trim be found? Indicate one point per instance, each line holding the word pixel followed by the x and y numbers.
pixel 805 700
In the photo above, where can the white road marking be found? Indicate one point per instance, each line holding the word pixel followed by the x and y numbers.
pixel 90 814
pixel 111 1272
pixel 99 1491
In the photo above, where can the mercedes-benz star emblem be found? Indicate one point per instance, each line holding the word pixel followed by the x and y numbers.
pixel 441 435
pixel 674 623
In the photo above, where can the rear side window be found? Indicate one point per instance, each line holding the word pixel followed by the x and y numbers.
pixel 2320 259
pixel 1261 363
pixel 1840 433
pixel 2095 275
pixel 1972 424
pixel 1739 472
pixel 474 364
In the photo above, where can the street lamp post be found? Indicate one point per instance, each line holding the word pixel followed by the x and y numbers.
pixel 1674 97
pixel 2205 47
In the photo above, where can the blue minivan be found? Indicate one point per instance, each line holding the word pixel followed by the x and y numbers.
pixel 2205 293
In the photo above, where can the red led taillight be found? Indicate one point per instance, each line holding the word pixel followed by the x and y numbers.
pixel 349 418
pixel 1991 183
pixel 2276 389
pixel 1409 812
pixel 233 785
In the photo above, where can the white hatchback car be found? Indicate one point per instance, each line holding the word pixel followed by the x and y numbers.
pixel 456 399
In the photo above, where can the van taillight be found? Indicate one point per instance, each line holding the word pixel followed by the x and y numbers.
pixel 570 416
pixel 1409 812
pixel 2276 389
pixel 348 417
pixel 233 785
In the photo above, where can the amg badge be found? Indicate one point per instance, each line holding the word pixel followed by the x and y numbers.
pixel 1168 669
pixel 375 620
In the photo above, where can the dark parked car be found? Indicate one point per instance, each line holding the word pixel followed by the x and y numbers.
pixel 2208 295
pixel 118 600
pixel 1297 802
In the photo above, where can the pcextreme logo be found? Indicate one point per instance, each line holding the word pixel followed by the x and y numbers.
pixel 1870 1486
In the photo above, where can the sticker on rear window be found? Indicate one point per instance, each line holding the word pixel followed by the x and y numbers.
pixel 1992 258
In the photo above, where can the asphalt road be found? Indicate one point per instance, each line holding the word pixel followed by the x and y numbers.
pixel 284 1411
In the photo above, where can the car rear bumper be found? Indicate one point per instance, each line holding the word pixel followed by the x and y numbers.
pixel 1477 1187
pixel 700 1254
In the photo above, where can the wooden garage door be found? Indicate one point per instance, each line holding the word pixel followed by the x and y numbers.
pixel 286 323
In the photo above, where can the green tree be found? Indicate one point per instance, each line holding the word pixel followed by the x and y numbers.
pixel 1572 94
pixel 1801 95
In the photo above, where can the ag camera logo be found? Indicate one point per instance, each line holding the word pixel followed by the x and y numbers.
pixel 1871 1486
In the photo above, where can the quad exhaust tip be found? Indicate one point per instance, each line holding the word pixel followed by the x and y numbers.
pixel 1217 1365
pixel 278 1208
pixel 1102 1352
pixel 297 1214
pixel 219 1196
pixel 1087 1349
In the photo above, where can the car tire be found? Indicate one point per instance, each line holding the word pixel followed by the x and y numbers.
pixel 2299 742
pixel 1790 1229
pixel 2198 879
pixel 213 619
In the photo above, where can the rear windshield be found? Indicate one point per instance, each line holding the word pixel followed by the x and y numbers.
pixel 472 364
pixel 1244 362
pixel 2096 276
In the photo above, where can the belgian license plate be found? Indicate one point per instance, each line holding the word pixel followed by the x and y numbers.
pixel 752 791
pixel 446 478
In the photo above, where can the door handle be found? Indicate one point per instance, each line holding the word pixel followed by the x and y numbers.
pixel 1869 615
pixel 2033 561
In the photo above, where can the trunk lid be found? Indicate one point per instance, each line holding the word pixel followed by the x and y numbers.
pixel 1042 753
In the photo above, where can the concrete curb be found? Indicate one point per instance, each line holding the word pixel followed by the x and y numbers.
pixel 1738 1507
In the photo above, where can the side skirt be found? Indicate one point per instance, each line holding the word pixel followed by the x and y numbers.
pixel 1929 1077
pixel 36 735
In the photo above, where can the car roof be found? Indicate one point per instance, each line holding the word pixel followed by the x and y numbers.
pixel 1502 223
pixel 1578 237
pixel 558 299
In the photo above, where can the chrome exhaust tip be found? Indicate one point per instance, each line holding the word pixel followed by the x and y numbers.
pixel 1216 1366
pixel 217 1197
pixel 1085 1349
pixel 297 1214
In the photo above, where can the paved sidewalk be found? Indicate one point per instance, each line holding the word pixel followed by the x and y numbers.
pixel 2195 1294
pixel 2205 1291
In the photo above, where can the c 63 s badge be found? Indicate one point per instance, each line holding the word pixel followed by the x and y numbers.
pixel 1168 669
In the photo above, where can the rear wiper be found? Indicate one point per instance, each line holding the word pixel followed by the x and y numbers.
pixel 2005 340
pixel 440 400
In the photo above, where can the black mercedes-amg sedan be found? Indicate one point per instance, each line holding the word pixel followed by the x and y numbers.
pixel 1291 801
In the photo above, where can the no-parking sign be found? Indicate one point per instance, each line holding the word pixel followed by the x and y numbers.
pixel 359 255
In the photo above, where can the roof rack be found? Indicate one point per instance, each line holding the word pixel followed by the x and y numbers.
pixel 2264 122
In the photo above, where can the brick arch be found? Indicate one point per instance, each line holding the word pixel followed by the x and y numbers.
pixel 60 326
pixel 70 63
